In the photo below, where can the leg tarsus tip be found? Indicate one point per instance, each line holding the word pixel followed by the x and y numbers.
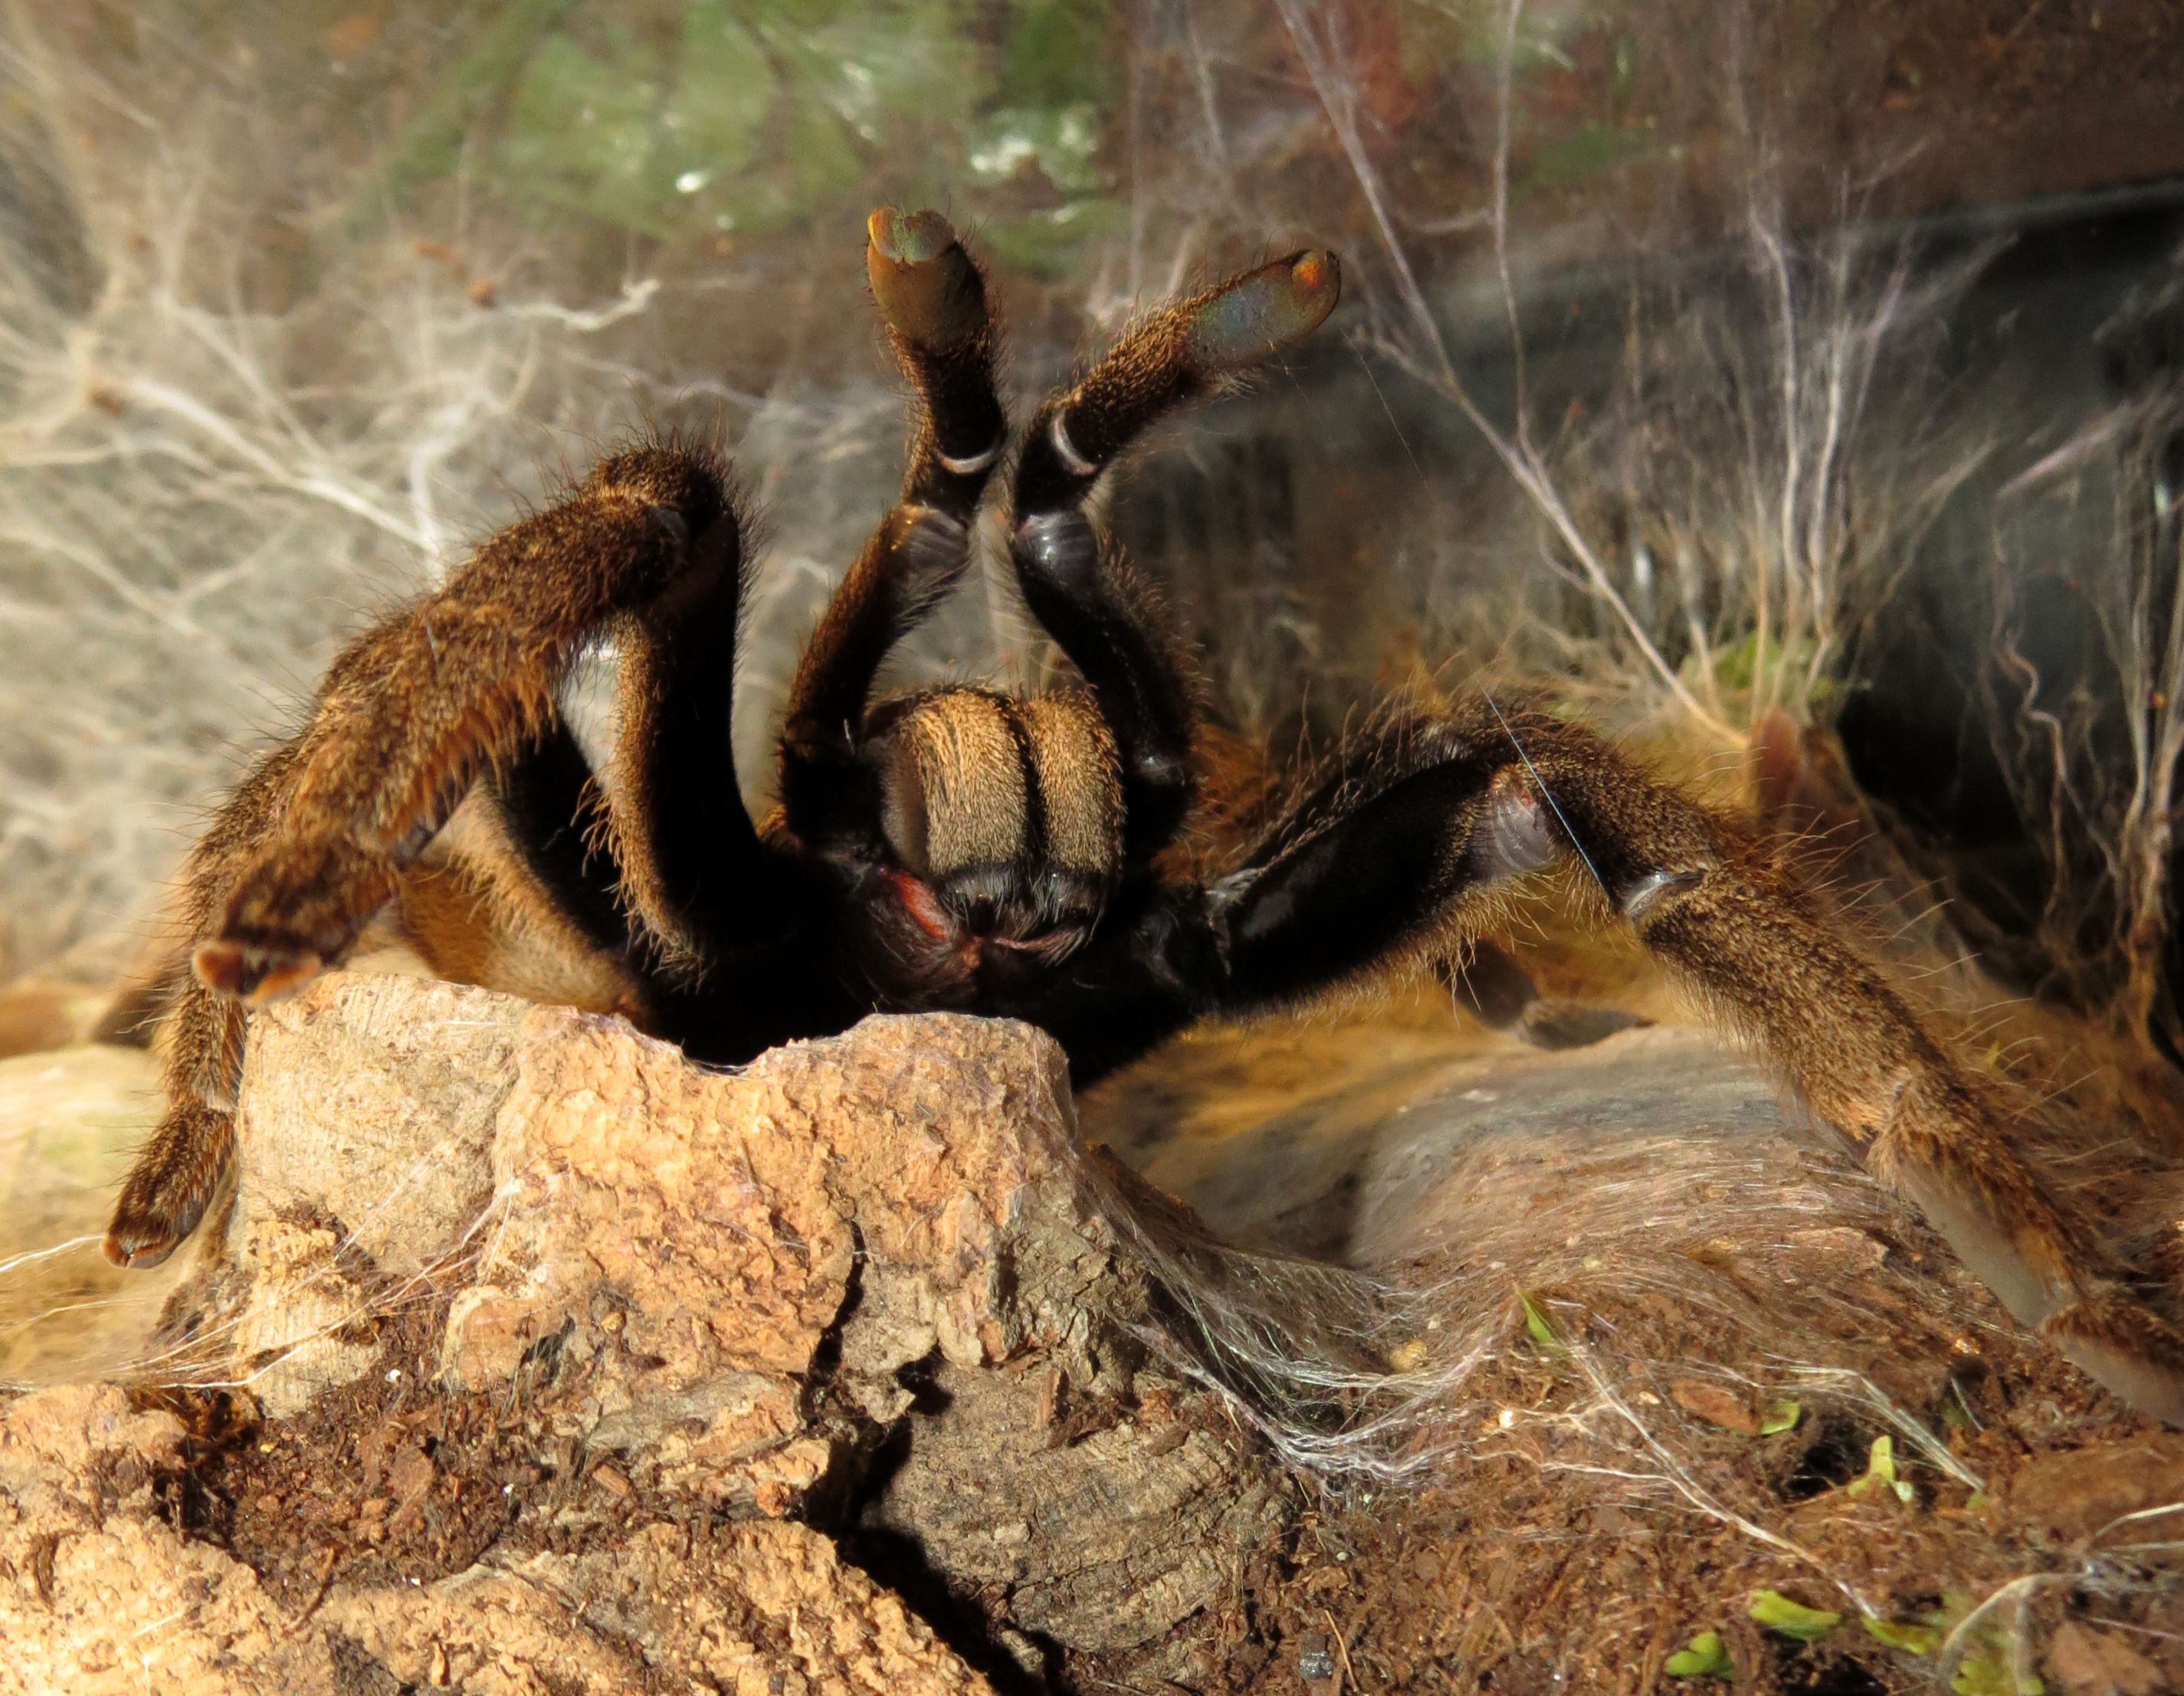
pixel 1259 312
pixel 929 290
pixel 253 972
pixel 908 238
pixel 139 1250
pixel 2128 1349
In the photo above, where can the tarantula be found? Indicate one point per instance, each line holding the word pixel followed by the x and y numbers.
pixel 960 848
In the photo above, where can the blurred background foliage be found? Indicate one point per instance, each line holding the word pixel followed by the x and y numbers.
pixel 668 120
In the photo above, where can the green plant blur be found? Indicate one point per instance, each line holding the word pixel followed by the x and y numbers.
pixel 726 116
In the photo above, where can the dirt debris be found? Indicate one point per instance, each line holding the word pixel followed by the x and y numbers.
pixel 1738 1316
pixel 99 1589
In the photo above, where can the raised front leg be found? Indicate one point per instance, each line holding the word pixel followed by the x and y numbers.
pixel 1107 619
pixel 415 709
pixel 932 299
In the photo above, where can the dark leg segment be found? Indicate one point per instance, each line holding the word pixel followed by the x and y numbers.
pixel 1107 620
pixel 553 811
pixel 689 865
pixel 933 297
pixel 1366 867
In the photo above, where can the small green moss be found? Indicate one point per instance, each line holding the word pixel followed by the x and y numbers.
pixel 1702 1658
pixel 1994 1673
pixel 1913 1639
pixel 1880 1469
pixel 1543 1333
pixel 1779 1613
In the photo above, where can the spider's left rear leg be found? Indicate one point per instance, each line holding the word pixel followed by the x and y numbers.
pixel 1425 817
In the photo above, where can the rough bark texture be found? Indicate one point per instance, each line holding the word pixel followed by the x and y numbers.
pixel 102 1594
pixel 548 1333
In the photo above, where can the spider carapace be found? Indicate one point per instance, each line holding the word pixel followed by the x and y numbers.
pixel 1043 858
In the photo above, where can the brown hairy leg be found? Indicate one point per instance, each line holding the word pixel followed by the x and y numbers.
pixel 413 711
pixel 1723 916
pixel 199 1037
pixel 932 297
pixel 314 840
pixel 1396 850
pixel 1076 580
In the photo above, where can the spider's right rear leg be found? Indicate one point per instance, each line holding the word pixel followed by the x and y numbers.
pixel 1751 948
pixel 1391 856
pixel 411 714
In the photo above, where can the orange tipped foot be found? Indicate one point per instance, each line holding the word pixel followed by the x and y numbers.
pixel 248 972
pixel 293 914
pixel 168 1188
pixel 1264 311
pixel 927 288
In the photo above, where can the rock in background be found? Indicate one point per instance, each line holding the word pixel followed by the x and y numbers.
pixel 70 1119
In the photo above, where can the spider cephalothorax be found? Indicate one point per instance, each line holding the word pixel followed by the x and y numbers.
pixel 964 849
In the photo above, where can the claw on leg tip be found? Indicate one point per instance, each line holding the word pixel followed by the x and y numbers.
pixel 137 1251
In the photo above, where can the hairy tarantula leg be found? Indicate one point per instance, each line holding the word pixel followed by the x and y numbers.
pixel 176 1173
pixel 199 1039
pixel 1173 354
pixel 1724 921
pixel 409 714
pixel 1418 816
pixel 1107 618
pixel 933 297
pixel 174 1177
pixel 413 710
